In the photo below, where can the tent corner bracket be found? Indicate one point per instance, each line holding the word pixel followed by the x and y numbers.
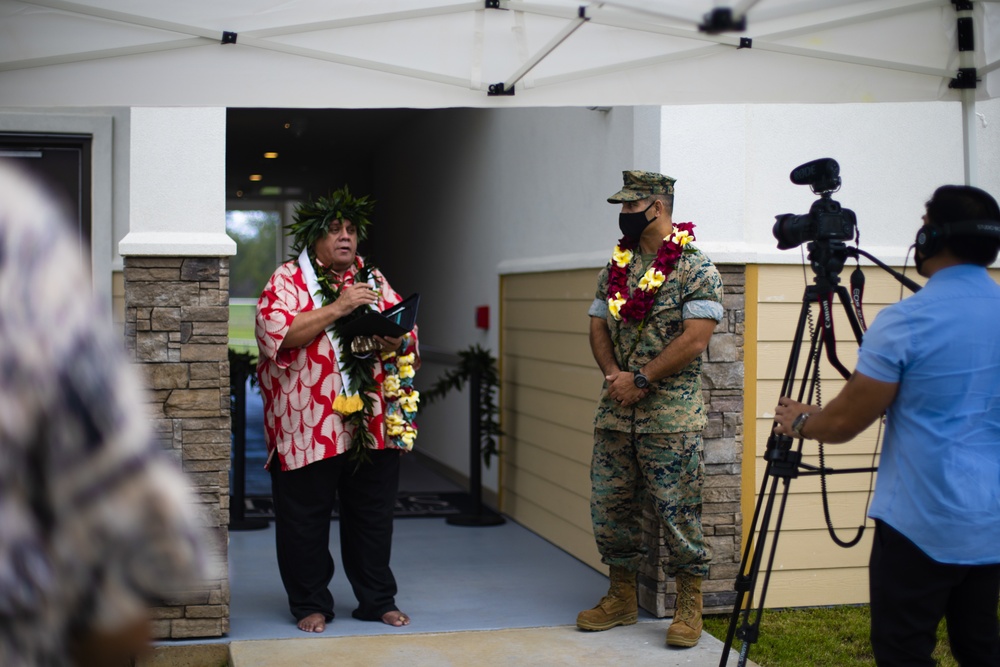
pixel 228 37
pixel 496 89
pixel 966 78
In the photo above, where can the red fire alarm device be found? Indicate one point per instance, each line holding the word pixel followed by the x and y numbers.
pixel 482 317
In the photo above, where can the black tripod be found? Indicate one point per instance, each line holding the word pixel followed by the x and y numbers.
pixel 783 462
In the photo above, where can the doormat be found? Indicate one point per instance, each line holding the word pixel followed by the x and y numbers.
pixel 407 505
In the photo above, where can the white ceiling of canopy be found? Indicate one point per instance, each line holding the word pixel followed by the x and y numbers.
pixel 440 53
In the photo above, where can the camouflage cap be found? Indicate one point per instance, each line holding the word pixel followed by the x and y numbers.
pixel 642 184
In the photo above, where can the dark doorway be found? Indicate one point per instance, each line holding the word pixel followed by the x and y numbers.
pixel 62 162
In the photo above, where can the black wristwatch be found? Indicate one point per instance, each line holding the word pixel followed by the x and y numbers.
pixel 640 380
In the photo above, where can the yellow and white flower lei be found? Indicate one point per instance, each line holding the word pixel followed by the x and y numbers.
pixel 401 399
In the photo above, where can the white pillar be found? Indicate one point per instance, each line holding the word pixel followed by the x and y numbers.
pixel 177 183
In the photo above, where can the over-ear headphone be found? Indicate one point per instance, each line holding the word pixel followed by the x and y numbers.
pixel 931 238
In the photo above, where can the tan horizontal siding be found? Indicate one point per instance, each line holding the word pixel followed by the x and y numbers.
pixel 573 381
pixel 568 411
pixel 577 285
pixel 571 348
pixel 550 390
pixel 575 445
pixel 560 471
pixel 548 315
pixel 847 511
pixel 811 569
pixel 801 588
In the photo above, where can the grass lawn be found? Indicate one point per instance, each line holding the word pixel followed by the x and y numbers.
pixel 241 325
pixel 817 637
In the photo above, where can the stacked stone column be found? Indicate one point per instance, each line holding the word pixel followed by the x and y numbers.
pixel 722 385
pixel 177 332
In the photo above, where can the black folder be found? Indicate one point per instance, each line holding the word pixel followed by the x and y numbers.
pixel 394 321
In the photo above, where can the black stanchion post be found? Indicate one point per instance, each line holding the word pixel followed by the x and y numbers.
pixel 480 515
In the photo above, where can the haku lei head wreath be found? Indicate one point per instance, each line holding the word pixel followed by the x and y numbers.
pixel 313 218
pixel 635 306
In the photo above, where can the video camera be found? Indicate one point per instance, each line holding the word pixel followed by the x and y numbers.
pixel 826 219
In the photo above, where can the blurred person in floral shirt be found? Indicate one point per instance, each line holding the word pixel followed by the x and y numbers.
pixel 338 413
pixel 95 520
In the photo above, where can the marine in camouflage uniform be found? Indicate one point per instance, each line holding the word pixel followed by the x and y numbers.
pixel 647 440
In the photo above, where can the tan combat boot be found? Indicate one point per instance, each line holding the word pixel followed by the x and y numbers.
pixel 686 627
pixel 618 607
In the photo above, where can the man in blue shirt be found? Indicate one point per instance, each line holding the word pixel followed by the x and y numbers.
pixel 932 363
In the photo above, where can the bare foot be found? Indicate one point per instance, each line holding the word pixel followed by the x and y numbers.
pixel 395 618
pixel 314 623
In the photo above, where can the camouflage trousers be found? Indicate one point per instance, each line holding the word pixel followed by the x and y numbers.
pixel 625 472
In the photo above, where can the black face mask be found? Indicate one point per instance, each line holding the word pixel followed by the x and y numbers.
pixel 633 224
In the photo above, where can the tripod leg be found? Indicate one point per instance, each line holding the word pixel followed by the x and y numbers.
pixel 746 578
pixel 782 464
pixel 782 470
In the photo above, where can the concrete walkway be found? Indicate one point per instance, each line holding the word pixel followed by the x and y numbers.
pixel 498 595
pixel 638 645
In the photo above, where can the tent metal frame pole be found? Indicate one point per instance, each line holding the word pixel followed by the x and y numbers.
pixel 124 17
pixel 762 43
pixel 967 62
pixel 699 52
pixel 854 20
pixel 970 155
pixel 787 50
pixel 853 60
pixel 600 18
pixel 354 62
pixel 639 7
pixel 369 19
pixel 204 36
pixel 100 54
pixel 544 52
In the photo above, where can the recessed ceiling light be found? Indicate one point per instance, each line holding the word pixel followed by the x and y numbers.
pixel 256 177
pixel 270 155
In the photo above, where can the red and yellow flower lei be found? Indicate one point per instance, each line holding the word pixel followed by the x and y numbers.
pixel 636 306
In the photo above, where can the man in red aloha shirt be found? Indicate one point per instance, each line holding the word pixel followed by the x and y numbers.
pixel 336 420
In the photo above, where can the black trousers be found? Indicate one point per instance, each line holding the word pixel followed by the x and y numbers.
pixel 303 501
pixel 911 593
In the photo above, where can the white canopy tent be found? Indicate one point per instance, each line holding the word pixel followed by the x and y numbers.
pixel 434 54
pixel 496 53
